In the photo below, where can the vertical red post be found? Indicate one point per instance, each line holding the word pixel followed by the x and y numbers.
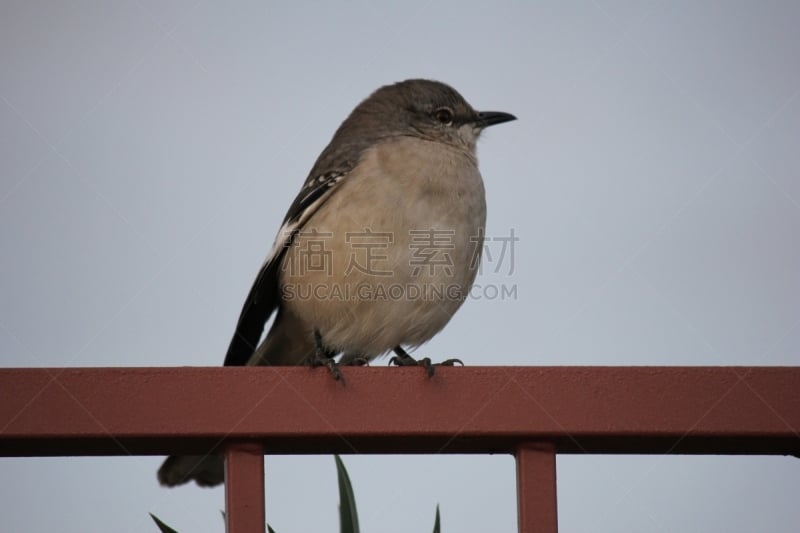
pixel 244 488
pixel 536 488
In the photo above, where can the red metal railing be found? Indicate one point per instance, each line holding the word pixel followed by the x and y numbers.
pixel 531 412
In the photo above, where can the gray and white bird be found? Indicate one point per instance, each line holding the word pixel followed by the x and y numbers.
pixel 378 250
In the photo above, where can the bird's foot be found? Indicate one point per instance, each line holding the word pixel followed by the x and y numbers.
pixel 321 360
pixel 403 359
pixel 323 357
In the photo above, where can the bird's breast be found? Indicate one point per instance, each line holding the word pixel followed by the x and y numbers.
pixel 393 252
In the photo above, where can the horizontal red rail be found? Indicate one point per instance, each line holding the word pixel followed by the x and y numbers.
pixel 120 411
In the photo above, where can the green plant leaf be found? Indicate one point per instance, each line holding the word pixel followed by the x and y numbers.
pixel 269 528
pixel 437 523
pixel 161 525
pixel 348 515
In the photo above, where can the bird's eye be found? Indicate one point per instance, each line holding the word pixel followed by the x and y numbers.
pixel 444 115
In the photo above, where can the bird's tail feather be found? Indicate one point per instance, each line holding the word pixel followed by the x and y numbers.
pixel 205 470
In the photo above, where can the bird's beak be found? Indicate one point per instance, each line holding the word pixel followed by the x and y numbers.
pixel 490 118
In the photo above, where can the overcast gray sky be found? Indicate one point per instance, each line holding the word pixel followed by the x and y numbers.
pixel 148 151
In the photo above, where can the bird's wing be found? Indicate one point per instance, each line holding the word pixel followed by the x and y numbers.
pixel 264 295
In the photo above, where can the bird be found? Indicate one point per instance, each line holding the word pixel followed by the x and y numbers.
pixel 378 250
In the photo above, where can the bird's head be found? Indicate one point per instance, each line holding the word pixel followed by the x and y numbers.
pixel 422 108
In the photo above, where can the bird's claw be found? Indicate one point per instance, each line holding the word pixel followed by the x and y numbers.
pixel 328 362
pixel 403 359
pixel 322 357
pixel 450 362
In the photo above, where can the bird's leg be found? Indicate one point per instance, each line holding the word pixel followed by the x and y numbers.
pixel 403 359
pixel 324 357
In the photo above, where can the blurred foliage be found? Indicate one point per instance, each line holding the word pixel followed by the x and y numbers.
pixel 348 515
